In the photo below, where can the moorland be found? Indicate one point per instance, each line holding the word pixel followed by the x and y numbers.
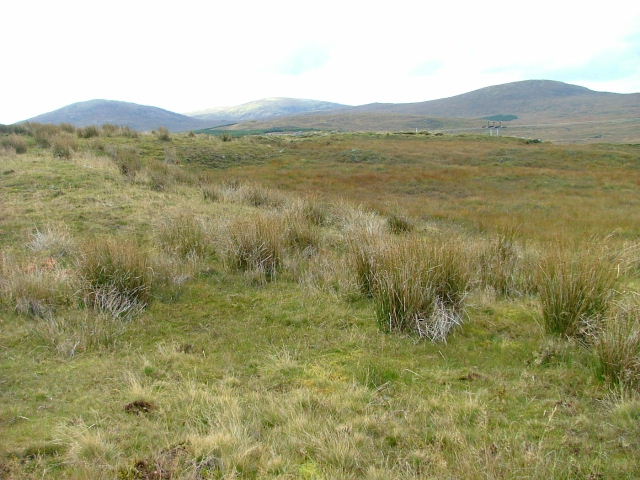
pixel 317 306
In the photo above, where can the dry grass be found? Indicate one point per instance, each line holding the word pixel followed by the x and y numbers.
pixel 312 210
pixel 52 240
pixel 86 448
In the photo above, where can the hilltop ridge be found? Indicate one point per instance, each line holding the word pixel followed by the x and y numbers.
pixel 139 117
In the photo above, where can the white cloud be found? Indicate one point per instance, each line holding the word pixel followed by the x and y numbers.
pixel 197 54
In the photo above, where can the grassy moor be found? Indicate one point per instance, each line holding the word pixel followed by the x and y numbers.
pixel 317 306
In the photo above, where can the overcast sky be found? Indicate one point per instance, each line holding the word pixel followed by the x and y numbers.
pixel 192 55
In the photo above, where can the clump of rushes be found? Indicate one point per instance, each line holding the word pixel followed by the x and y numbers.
pixel 398 224
pixel 163 134
pixel 257 196
pixel 17 142
pixel 159 175
pixel 88 132
pixel 420 286
pixel 301 235
pixel 312 210
pixel 42 133
pixel 67 127
pixel 576 287
pixel 256 244
pixel 184 236
pixel 505 265
pixel 54 240
pixel 364 254
pixel 127 160
pixel 63 145
pixel 210 192
pixel 618 344
pixel 36 290
pixel 116 275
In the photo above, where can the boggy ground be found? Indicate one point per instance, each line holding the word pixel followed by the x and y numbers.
pixel 226 373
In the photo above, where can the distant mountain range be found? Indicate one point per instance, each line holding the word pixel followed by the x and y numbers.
pixel 533 108
pixel 265 108
pixel 554 110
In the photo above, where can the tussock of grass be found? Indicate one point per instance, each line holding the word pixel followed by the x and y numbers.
pixel 17 142
pixel 126 158
pixel 42 133
pixel 210 192
pixel 257 196
pixel 575 287
pixel 116 275
pixel 355 220
pixel 184 236
pixel 171 156
pixel 52 240
pixel 323 272
pixel 506 266
pixel 311 210
pixel 110 130
pixel 159 176
pixel 63 146
pixel 300 234
pixel 88 132
pixel 618 344
pixel 364 255
pixel 163 134
pixel 86 448
pixel 256 244
pixel 398 224
pixel 35 289
pixel 419 286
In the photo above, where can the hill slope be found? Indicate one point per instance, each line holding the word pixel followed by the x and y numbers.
pixel 544 108
pixel 515 98
pixel 139 117
pixel 266 108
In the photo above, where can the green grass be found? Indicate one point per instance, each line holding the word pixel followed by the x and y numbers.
pixel 293 378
